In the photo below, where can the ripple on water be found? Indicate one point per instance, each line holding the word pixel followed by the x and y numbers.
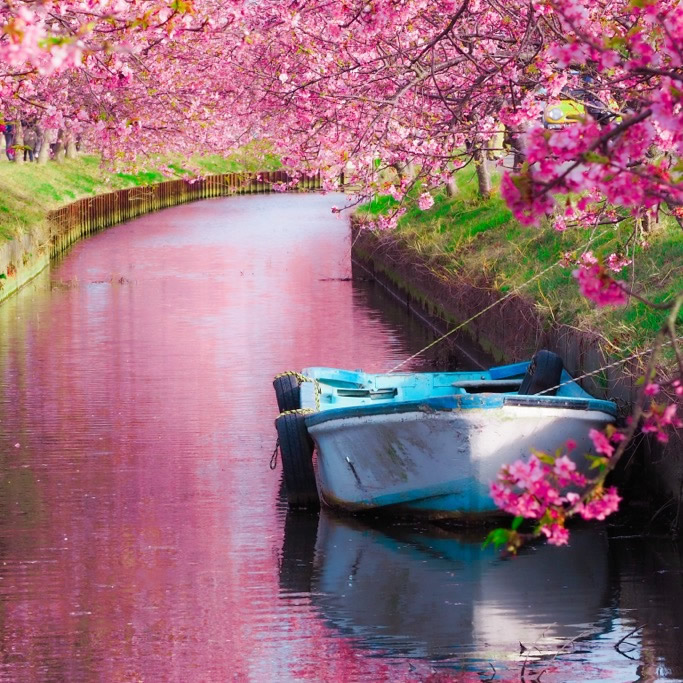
pixel 143 536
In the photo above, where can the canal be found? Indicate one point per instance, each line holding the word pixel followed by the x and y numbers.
pixel 143 536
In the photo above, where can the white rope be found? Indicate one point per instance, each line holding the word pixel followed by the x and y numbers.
pixel 610 365
pixel 490 306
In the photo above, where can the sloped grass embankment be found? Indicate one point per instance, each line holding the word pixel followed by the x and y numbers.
pixel 28 192
pixel 479 241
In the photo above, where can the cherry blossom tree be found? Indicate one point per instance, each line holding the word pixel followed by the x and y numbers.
pixel 376 86
pixel 398 95
pixel 133 79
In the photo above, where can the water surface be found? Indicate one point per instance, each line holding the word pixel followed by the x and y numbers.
pixel 143 536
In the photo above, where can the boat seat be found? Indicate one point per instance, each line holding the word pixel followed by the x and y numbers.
pixel 388 392
pixel 483 386
pixel 544 372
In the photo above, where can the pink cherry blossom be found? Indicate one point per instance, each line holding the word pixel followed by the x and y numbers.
pixel 599 287
pixel 601 442
pixel 651 389
pixel 556 534
pixel 659 418
pixel 572 498
pixel 426 201
pixel 549 489
pixel 616 263
pixel 560 224
pixel 563 469
pixel 525 474
pixel 603 505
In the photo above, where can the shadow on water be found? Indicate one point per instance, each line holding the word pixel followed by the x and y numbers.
pixel 648 580
pixel 423 592
pixel 452 352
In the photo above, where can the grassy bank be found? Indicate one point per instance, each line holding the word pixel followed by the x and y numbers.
pixel 479 240
pixel 29 191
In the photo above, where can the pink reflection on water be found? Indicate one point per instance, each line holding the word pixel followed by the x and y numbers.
pixel 142 527
pixel 141 537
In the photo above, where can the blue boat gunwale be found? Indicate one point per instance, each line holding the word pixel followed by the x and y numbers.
pixel 463 402
pixel 571 395
pixel 342 378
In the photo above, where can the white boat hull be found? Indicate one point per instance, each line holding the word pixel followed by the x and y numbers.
pixel 438 463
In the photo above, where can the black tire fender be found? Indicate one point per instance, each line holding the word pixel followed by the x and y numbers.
pixel 287 392
pixel 298 551
pixel 296 449
pixel 545 372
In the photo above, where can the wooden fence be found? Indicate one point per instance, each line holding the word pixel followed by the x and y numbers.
pixel 86 216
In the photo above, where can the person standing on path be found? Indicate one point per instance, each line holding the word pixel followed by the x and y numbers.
pixel 30 140
pixel 9 140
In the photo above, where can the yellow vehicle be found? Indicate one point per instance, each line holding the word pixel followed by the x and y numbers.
pixel 576 104
pixel 561 113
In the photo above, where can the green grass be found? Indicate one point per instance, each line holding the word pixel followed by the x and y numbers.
pixel 480 241
pixel 29 191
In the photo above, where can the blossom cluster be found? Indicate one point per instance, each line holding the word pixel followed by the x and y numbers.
pixel 549 488
pixel 616 263
pixel 343 87
pixel 596 284
pixel 659 417
pixel 426 201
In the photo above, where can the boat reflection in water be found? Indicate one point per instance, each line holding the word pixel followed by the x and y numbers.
pixel 428 593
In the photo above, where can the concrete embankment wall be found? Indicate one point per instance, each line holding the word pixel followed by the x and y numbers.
pixel 513 330
pixel 23 258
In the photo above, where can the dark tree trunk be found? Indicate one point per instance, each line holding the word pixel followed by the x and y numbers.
pixel 513 141
pixel 71 152
pixel 59 148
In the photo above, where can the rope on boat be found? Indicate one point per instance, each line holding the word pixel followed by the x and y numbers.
pixel 273 458
pixel 609 365
pixel 317 392
pixel 298 411
pixel 291 373
pixel 490 306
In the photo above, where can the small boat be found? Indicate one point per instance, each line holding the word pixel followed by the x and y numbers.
pixel 425 443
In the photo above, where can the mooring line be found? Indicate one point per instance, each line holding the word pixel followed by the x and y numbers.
pixel 490 306
pixel 474 317
pixel 422 317
pixel 610 365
